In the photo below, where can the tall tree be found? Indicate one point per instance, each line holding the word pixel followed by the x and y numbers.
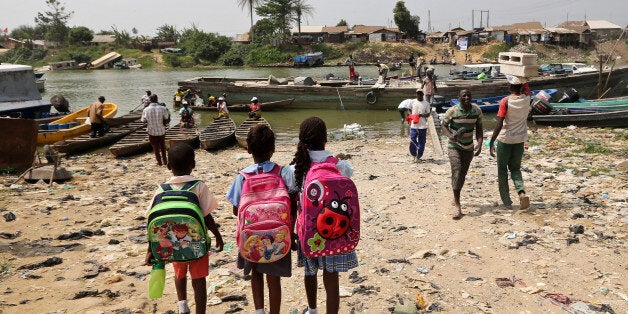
pixel 408 24
pixel 55 21
pixel 280 12
pixel 168 33
pixel 300 8
pixel 251 4
pixel 342 23
pixel 80 34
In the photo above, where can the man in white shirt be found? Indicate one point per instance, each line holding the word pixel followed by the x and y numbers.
pixel 418 126
pixel 156 117
pixel 146 99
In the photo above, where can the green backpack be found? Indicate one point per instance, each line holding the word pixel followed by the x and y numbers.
pixel 176 227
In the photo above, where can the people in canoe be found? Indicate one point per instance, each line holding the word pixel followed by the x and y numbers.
pixel 256 109
pixel 222 108
pixel 211 101
pixel 178 97
pixel 186 120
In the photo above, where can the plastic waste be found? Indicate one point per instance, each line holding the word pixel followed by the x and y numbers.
pixel 157 280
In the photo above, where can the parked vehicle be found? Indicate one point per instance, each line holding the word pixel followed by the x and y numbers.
pixel 173 51
pixel 309 59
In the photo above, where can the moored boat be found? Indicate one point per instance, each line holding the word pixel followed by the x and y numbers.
pixel 600 119
pixel 385 97
pixel 137 142
pixel 71 125
pixel 266 106
pixel 119 128
pixel 218 134
pixel 491 104
pixel 19 96
pixel 598 105
pixel 243 129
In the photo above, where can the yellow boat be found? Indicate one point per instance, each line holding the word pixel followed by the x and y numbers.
pixel 71 125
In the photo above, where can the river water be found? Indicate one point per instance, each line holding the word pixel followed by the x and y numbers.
pixel 126 87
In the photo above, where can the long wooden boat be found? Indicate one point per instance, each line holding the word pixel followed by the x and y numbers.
pixel 218 134
pixel 601 119
pixel 491 104
pixel 591 106
pixel 116 132
pixel 137 142
pixel 266 106
pixel 243 129
pixel 71 125
pixel 384 97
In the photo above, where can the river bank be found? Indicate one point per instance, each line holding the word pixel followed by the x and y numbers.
pixel 90 235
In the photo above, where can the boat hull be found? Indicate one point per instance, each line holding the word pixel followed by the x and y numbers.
pixel 355 96
pixel 266 106
pixel 50 137
pixel 137 142
pixel 219 134
pixel 603 119
pixel 19 143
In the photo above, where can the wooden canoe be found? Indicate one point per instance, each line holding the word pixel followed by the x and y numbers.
pixel 218 134
pixel 243 130
pixel 266 106
pixel 137 142
pixel 79 116
pixel 119 128
pixel 602 119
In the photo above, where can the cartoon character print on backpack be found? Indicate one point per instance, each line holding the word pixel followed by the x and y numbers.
pixel 332 222
pixel 330 218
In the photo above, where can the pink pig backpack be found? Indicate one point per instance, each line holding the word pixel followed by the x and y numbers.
pixel 329 218
pixel 263 231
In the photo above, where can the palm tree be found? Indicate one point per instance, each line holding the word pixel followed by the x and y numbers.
pixel 250 4
pixel 300 8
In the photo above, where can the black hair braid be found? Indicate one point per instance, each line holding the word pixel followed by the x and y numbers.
pixel 312 135
pixel 301 164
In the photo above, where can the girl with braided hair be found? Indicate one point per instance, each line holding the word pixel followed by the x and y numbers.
pixel 311 149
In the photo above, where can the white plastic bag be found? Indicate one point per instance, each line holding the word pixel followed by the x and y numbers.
pixel 87 121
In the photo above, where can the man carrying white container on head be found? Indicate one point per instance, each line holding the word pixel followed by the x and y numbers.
pixel 511 132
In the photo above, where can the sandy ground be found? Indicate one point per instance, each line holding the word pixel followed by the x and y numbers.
pixel 409 244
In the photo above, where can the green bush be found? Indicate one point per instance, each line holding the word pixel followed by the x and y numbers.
pixel 23 55
pixel 235 56
pixel 266 55
pixel 494 50
pixel 176 61
pixel 329 52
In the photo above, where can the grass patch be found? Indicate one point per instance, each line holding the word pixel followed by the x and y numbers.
pixel 5 266
pixel 494 50
pixel 594 148
pixel 600 171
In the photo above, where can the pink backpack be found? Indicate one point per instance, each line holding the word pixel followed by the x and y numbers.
pixel 263 232
pixel 329 218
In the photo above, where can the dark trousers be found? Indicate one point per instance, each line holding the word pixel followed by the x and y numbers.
pixel 417 142
pixel 460 160
pixel 159 146
pixel 98 128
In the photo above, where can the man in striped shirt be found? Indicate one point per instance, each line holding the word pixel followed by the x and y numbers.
pixel 157 117
pixel 459 124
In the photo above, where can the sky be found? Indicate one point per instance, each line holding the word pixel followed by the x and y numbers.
pixel 225 17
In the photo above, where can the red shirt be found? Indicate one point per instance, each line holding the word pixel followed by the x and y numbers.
pixel 255 106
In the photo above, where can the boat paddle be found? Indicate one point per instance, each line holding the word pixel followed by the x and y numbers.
pixel 342 107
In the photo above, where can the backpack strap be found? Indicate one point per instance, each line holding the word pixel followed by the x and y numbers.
pixel 276 170
pixel 187 186
pixel 332 160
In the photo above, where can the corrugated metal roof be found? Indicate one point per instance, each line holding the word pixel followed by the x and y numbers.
pixel 308 29
pixel 601 24
pixel 335 29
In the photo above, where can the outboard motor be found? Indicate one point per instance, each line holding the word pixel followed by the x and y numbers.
pixel 540 104
pixel 569 95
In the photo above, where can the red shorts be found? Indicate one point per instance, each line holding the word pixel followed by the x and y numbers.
pixel 198 268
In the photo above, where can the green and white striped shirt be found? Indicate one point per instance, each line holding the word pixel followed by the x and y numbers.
pixel 457 118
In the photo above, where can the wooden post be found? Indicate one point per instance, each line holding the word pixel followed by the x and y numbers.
pixel 599 80
pixel 438 149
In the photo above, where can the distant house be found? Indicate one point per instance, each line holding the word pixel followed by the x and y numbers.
pixel 578 27
pixel 435 38
pixel 13 43
pixel 451 35
pixel 604 30
pixel 334 34
pixel 103 39
pixel 308 34
pixel 527 32
pixel 374 33
pixel 242 39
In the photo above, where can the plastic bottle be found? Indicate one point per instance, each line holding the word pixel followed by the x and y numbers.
pixel 157 280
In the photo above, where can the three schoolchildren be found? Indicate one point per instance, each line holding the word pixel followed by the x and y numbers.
pixel 267 214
